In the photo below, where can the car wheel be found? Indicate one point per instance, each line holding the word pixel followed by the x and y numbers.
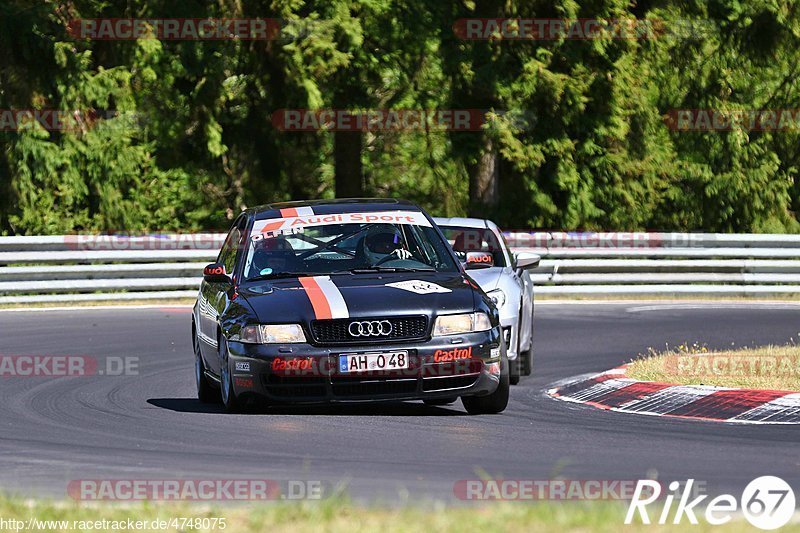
pixel 495 402
pixel 514 371
pixel 526 362
pixel 205 392
pixel 440 401
pixel 526 357
pixel 227 392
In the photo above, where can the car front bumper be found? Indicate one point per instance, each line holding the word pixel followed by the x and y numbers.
pixel 303 373
pixel 510 327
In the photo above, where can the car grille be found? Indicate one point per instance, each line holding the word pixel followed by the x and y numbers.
pixel 455 382
pixel 294 387
pixel 374 388
pixel 336 331
pixel 297 391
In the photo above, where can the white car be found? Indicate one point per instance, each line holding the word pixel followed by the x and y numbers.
pixel 504 277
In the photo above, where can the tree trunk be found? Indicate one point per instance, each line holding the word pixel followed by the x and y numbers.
pixel 6 193
pixel 348 170
pixel 484 190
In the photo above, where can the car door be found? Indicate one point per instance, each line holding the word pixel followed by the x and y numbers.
pixel 527 310
pixel 214 297
pixel 523 278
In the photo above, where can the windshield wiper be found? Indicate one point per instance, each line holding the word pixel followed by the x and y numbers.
pixel 368 270
pixel 283 275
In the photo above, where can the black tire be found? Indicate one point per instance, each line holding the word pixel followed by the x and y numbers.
pixel 525 359
pixel 205 392
pixel 440 401
pixel 515 366
pixel 514 371
pixel 226 390
pixel 495 402
pixel 526 362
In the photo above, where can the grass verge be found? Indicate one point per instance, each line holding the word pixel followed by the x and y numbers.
pixel 342 516
pixel 766 367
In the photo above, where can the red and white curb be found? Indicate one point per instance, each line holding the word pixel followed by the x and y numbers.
pixel 613 391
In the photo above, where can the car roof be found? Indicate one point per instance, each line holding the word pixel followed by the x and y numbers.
pixel 341 205
pixel 460 222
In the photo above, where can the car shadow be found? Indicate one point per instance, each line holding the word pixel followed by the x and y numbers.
pixel 192 405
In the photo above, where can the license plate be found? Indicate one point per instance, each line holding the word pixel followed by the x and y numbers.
pixel 368 362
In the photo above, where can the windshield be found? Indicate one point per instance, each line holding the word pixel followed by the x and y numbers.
pixel 347 242
pixel 465 240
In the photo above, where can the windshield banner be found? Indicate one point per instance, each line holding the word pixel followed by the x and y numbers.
pixel 295 224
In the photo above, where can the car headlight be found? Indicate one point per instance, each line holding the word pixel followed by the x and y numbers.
pixel 463 323
pixel 272 334
pixel 498 297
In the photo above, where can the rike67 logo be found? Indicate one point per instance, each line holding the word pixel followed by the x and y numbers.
pixel 767 503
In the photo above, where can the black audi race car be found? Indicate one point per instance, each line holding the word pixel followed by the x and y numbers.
pixel 348 300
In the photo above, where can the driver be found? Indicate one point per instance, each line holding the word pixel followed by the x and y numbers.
pixel 382 243
pixel 273 254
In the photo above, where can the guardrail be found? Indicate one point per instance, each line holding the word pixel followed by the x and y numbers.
pixel 100 267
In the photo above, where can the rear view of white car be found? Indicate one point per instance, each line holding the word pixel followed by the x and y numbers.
pixel 504 278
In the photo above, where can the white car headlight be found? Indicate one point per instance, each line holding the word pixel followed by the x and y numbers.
pixel 463 323
pixel 498 297
pixel 272 334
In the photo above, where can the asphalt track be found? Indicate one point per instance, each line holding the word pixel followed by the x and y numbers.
pixel 149 426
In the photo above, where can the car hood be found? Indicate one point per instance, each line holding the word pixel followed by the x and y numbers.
pixel 300 300
pixel 487 278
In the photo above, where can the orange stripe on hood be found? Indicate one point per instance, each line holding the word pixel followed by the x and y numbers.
pixel 322 309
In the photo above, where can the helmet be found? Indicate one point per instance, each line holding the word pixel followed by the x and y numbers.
pixel 381 242
pixel 274 253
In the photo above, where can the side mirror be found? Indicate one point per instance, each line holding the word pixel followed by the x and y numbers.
pixel 527 260
pixel 215 273
pixel 478 260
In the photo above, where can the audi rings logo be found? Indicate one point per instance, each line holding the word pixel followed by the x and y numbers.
pixel 370 328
